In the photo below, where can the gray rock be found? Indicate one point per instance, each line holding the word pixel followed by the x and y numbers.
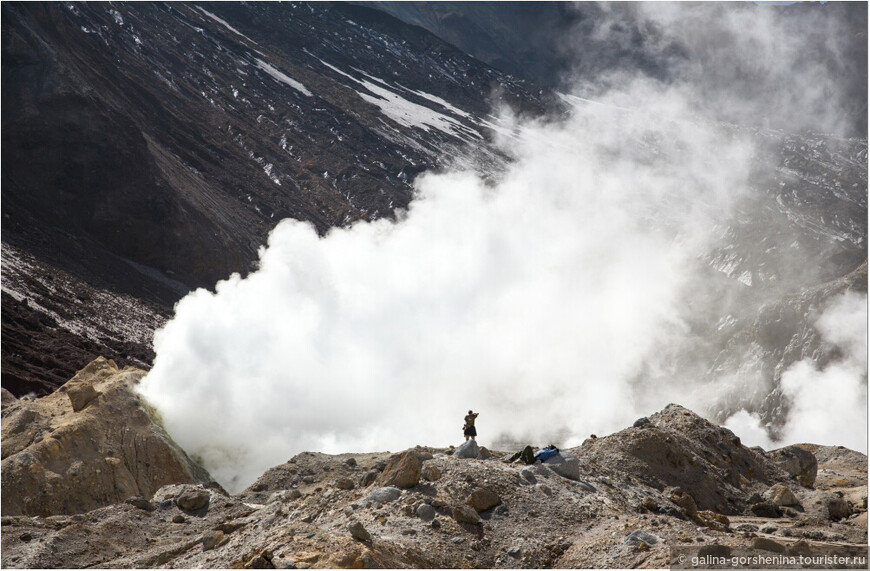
pixel 528 476
pixel 515 551
pixel 368 478
pixel 484 453
pixel 384 495
pixel 468 449
pixel 358 531
pixel 426 512
pixel 141 503
pixel 430 472
pixel 344 484
pixel 838 507
pixel 457 540
pixel 178 518
pixel 797 462
pixel 766 544
pixel 641 422
pixel 765 509
pixel 640 536
pixel 259 562
pixel 211 539
pixel 350 462
pixel 767 529
pixel 464 513
pixel 436 524
pixel 545 489
pixel 564 464
pixel 781 496
pixel 192 499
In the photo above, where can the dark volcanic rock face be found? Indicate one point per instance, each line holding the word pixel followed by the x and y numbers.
pixel 149 149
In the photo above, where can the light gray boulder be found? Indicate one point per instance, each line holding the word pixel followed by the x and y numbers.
pixel 468 449
pixel 384 495
pixel 564 464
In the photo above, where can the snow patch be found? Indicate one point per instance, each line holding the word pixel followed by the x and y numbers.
pixel 282 77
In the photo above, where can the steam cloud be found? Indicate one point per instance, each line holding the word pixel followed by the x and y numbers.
pixel 546 300
pixel 828 404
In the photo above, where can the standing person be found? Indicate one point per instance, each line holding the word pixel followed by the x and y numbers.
pixel 468 430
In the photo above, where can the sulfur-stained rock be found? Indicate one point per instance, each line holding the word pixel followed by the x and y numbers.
pixel 87 459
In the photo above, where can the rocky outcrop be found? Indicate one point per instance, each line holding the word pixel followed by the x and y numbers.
pixel 799 463
pixel 402 471
pixel 477 514
pixel 678 448
pixel 92 443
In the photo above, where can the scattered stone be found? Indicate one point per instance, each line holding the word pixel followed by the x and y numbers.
pixel 294 494
pixel 642 422
pixel 483 499
pixel 458 540
pixel 838 507
pixel 409 531
pixel 768 529
pixel 140 503
pixel 178 518
pixel 650 503
pixel 368 478
pixel 259 562
pixel 765 509
pixel 358 531
pixel 426 512
pixel 545 489
pixel 402 471
pixel 564 464
pixel 211 539
pixel 484 453
pixel 436 524
pixel 639 536
pixel 344 484
pixel 350 462
pixel 430 472
pixel 515 551
pixel 464 513
pixel 685 501
pixel 766 544
pixel 468 449
pixel 528 476
pixel 192 499
pixel 713 520
pixel 25 537
pixel 781 496
pixel 308 479
pixel 384 495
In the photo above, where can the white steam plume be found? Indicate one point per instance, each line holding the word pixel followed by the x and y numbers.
pixel 546 300
pixel 828 404
pixel 536 301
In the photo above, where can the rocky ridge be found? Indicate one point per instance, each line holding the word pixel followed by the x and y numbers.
pixel 673 479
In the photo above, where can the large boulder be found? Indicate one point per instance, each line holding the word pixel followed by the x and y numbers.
pixel 73 455
pixel 468 449
pixel 780 495
pixel 483 499
pixel 402 471
pixel 565 464
pixel 799 463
